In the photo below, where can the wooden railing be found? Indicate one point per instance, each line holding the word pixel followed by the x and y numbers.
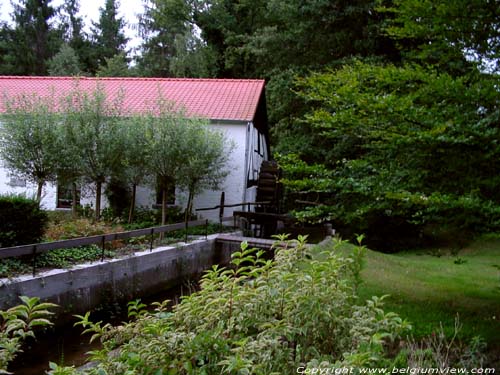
pixel 101 239
pixel 223 205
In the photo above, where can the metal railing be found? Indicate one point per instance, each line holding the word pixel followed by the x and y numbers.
pixel 101 239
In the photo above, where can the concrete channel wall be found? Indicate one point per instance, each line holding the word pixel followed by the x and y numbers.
pixel 87 286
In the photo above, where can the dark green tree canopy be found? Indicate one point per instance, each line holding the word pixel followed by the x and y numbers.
pixel 108 36
pixel 33 39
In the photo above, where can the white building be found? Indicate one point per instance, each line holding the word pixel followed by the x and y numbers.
pixel 237 107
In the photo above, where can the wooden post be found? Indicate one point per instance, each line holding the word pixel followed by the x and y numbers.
pixel 221 208
pixel 103 246
pixel 152 239
pixel 34 261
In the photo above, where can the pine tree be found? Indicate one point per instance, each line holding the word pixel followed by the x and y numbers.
pixel 33 39
pixel 76 37
pixel 108 36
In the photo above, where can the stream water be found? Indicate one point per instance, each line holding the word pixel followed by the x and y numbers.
pixel 66 345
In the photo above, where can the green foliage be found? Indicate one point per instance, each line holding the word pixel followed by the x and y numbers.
pixel 258 316
pixel 116 66
pixel 32 40
pixel 12 266
pixel 63 258
pixel 118 195
pixel 73 228
pixel 206 159
pixel 28 142
pixel 171 46
pixel 21 221
pixel 108 36
pixel 92 126
pixel 18 323
pixel 75 36
pixel 441 36
pixel 390 144
pixel 64 63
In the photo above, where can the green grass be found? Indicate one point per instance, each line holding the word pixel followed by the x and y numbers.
pixel 430 290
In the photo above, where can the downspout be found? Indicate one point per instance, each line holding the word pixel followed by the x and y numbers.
pixel 245 174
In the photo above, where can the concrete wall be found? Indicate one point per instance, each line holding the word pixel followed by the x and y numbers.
pixel 87 286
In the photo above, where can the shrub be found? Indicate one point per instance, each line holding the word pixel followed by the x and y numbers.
pixel 18 323
pixel 82 228
pixel 145 217
pixel 118 196
pixel 21 221
pixel 259 316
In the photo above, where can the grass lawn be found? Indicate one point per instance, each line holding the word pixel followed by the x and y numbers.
pixel 430 290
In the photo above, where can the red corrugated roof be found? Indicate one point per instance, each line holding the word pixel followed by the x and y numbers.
pixel 216 99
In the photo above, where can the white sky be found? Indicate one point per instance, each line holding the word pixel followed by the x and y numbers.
pixel 89 10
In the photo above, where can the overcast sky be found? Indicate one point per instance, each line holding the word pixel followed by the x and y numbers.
pixel 89 9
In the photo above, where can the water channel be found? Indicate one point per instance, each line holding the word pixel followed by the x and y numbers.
pixel 66 345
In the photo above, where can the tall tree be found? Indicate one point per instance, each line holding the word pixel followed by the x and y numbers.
pixel 171 42
pixel 164 128
pixel 33 39
pixel 282 39
pixel 75 36
pixel 28 139
pixel 206 156
pixel 136 155
pixel 64 63
pixel 455 35
pixel 95 120
pixel 108 36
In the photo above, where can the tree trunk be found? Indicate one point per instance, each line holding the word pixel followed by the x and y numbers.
pixel 98 187
pixel 163 209
pixel 74 204
pixel 189 207
pixel 164 206
pixel 132 204
pixel 39 192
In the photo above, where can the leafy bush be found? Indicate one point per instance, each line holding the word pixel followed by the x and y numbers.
pixel 257 317
pixel 78 228
pixel 118 196
pixel 21 221
pixel 18 323
pixel 403 154
pixel 145 217
pixel 64 257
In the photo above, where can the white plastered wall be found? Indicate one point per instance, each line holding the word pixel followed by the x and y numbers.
pixel 242 160
pixel 234 185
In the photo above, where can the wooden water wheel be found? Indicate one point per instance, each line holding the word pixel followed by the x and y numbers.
pixel 264 221
pixel 269 187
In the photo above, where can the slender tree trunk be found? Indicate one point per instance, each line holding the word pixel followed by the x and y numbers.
pixel 98 187
pixel 189 207
pixel 39 192
pixel 163 206
pixel 132 204
pixel 74 204
pixel 163 209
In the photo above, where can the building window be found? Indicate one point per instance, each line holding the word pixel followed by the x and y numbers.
pixel 169 184
pixel 15 181
pixel 65 195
